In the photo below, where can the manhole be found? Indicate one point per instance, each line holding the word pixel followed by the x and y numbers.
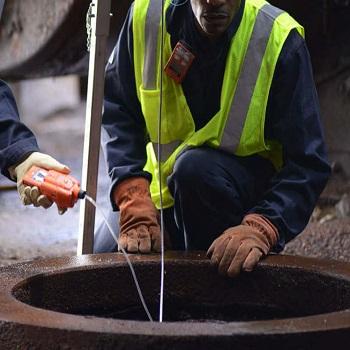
pixel 90 302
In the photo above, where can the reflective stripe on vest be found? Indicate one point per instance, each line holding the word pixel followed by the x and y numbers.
pixel 166 149
pixel 248 77
pixel 149 77
pixel 151 35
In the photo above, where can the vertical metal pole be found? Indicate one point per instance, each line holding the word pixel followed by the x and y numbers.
pixel 100 29
pixel 2 3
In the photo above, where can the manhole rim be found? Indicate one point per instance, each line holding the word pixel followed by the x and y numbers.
pixel 14 311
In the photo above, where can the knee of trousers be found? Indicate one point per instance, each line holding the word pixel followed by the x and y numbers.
pixel 210 173
pixel 191 168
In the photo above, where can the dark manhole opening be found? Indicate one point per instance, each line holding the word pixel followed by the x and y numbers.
pixel 177 311
pixel 194 292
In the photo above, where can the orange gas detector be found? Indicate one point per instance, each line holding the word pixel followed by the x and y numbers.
pixel 60 188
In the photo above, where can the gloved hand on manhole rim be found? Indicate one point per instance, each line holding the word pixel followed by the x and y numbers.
pixel 138 220
pixel 240 247
pixel 31 195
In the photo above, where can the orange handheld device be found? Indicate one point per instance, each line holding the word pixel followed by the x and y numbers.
pixel 179 62
pixel 60 188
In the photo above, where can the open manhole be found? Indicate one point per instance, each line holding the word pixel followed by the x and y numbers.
pixel 90 302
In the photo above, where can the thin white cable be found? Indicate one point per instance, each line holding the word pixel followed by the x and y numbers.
pixel 161 301
pixel 93 202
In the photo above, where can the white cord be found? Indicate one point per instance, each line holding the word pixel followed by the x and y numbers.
pixel 91 200
pixel 159 153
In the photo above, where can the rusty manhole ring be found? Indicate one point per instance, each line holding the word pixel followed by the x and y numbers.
pixel 90 302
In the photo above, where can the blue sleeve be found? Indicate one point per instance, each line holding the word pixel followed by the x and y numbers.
pixel 124 136
pixel 16 140
pixel 293 119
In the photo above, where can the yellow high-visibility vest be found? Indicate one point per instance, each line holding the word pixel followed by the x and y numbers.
pixel 238 127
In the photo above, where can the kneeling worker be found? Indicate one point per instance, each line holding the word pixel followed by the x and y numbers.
pixel 243 159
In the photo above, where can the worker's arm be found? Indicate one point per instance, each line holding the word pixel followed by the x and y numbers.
pixel 19 150
pixel 124 131
pixel 16 140
pixel 293 119
pixel 124 145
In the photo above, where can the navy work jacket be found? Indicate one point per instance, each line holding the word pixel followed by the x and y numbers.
pixel 16 140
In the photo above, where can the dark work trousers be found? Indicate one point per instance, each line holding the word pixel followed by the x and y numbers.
pixel 212 191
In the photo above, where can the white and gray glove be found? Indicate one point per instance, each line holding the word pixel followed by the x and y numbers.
pixel 31 195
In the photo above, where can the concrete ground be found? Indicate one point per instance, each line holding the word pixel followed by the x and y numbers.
pixel 30 233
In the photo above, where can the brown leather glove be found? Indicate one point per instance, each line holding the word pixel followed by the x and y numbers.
pixel 139 228
pixel 241 247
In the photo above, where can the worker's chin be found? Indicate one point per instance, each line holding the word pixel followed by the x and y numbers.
pixel 212 31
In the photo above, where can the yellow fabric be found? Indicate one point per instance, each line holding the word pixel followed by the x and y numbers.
pixel 255 121
pixel 177 121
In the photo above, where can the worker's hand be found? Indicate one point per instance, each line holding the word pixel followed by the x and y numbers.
pixel 139 228
pixel 31 195
pixel 241 247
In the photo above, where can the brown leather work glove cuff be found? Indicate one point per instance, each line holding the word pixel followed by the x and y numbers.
pixel 135 204
pixel 264 226
pixel 130 189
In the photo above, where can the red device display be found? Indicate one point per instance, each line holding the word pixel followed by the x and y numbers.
pixel 60 188
pixel 179 62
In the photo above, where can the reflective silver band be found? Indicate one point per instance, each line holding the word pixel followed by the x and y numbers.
pixel 166 149
pixel 150 65
pixel 151 38
pixel 249 74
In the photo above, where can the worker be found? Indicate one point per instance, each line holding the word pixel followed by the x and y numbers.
pixel 242 160
pixel 19 151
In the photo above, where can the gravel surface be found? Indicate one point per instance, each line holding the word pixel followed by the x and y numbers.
pixel 329 240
